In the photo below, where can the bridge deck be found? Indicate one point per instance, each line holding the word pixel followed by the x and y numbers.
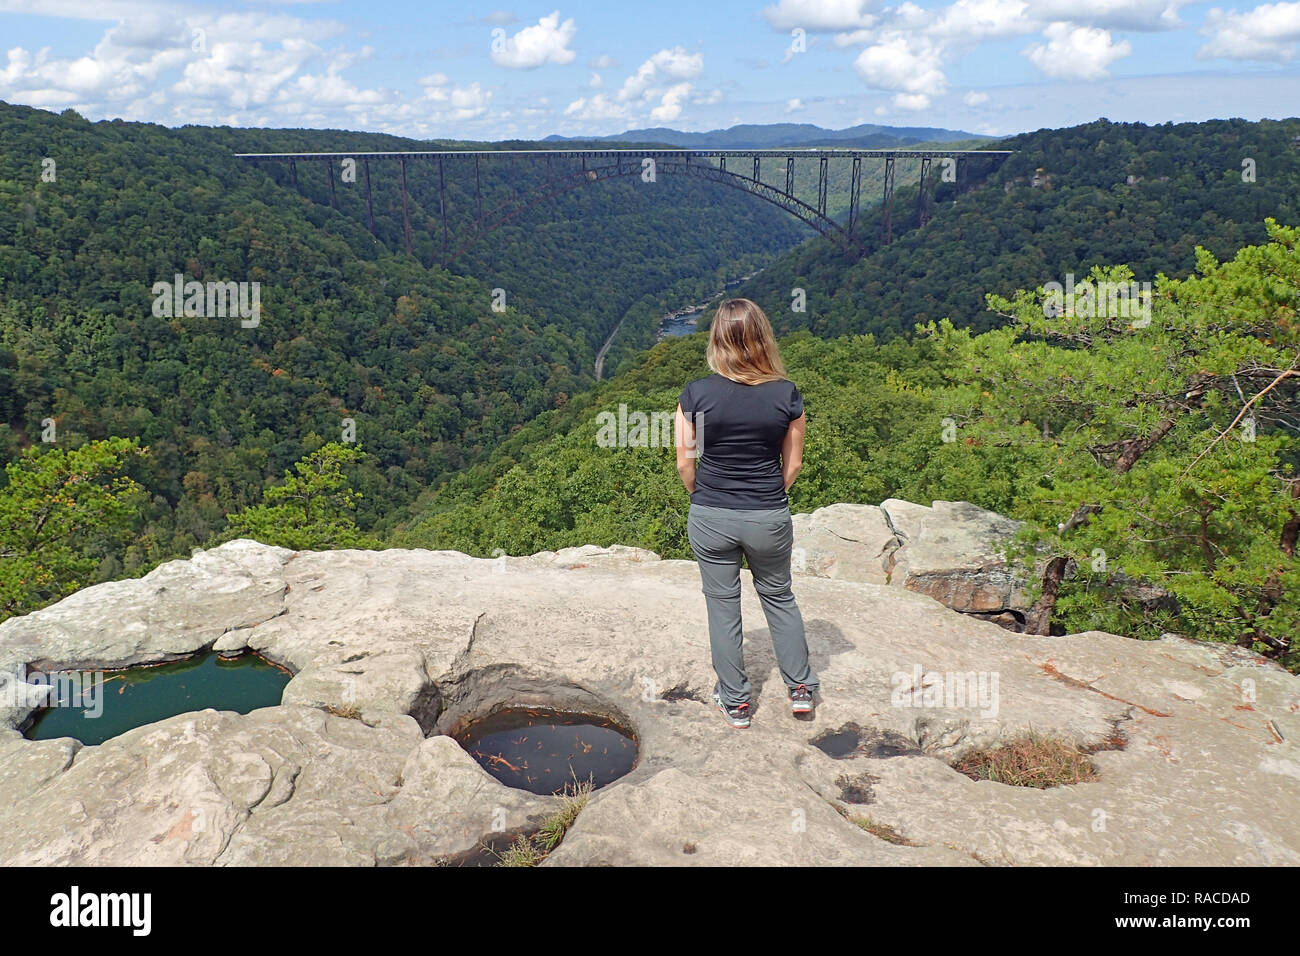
pixel 845 152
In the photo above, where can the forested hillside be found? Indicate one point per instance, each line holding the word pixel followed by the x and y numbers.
pixel 350 327
pixel 1067 200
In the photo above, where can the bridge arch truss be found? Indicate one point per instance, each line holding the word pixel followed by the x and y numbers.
pixel 597 165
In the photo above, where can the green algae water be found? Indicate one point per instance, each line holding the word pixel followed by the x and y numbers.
pixel 142 695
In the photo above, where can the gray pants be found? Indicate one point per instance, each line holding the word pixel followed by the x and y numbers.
pixel 718 537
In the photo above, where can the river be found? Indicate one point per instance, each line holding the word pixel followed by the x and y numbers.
pixel 679 324
pixel 684 324
pixel 670 325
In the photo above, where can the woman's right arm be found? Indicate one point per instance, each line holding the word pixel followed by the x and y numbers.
pixel 687 453
pixel 792 451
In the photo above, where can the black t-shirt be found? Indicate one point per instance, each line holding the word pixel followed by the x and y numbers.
pixel 740 429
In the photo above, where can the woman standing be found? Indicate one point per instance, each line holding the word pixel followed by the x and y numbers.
pixel 746 425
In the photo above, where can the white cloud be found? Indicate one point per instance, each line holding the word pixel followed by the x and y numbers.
pixel 1268 32
pixel 455 102
pixel 911 101
pixel 670 107
pixel 972 20
pixel 941 32
pixel 598 107
pixel 1111 14
pixel 156 63
pixel 794 105
pixel 596 81
pixel 19 62
pixel 1072 52
pixel 975 98
pixel 675 64
pixel 603 62
pixel 655 93
pixel 547 41
pixel 133 69
pixel 854 38
pixel 908 47
pixel 331 88
pixel 901 63
pixel 115 70
pixel 224 75
pixel 468 102
pixel 906 52
pixel 819 16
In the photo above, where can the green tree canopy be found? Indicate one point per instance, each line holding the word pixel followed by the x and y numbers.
pixel 61 512
pixel 1166 449
pixel 313 509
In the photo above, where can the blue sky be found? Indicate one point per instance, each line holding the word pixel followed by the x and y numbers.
pixel 524 70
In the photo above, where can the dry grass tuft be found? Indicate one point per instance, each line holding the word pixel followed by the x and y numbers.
pixel 1030 761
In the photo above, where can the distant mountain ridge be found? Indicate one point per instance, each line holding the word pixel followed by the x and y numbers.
pixel 778 135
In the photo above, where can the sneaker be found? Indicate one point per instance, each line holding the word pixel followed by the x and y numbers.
pixel 801 700
pixel 737 716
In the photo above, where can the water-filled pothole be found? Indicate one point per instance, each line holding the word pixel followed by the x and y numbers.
pixel 853 741
pixel 97 706
pixel 544 751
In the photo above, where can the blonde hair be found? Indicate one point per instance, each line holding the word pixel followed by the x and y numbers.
pixel 741 344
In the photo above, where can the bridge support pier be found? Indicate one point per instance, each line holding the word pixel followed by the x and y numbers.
pixel 406 212
pixel 334 200
pixel 821 186
pixel 855 187
pixel 478 192
pixel 370 203
pixel 442 203
pixel 887 213
pixel 922 203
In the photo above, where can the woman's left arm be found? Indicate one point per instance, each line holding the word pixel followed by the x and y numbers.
pixel 686 451
pixel 792 450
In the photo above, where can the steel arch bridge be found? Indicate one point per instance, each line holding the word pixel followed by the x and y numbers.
pixel 581 167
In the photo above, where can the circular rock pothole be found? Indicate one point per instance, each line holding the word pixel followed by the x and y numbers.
pixel 548 751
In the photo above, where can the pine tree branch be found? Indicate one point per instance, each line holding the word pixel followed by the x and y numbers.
pixel 1288 373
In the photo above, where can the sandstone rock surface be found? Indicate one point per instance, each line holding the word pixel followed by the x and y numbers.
pixel 950 551
pixel 392 649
